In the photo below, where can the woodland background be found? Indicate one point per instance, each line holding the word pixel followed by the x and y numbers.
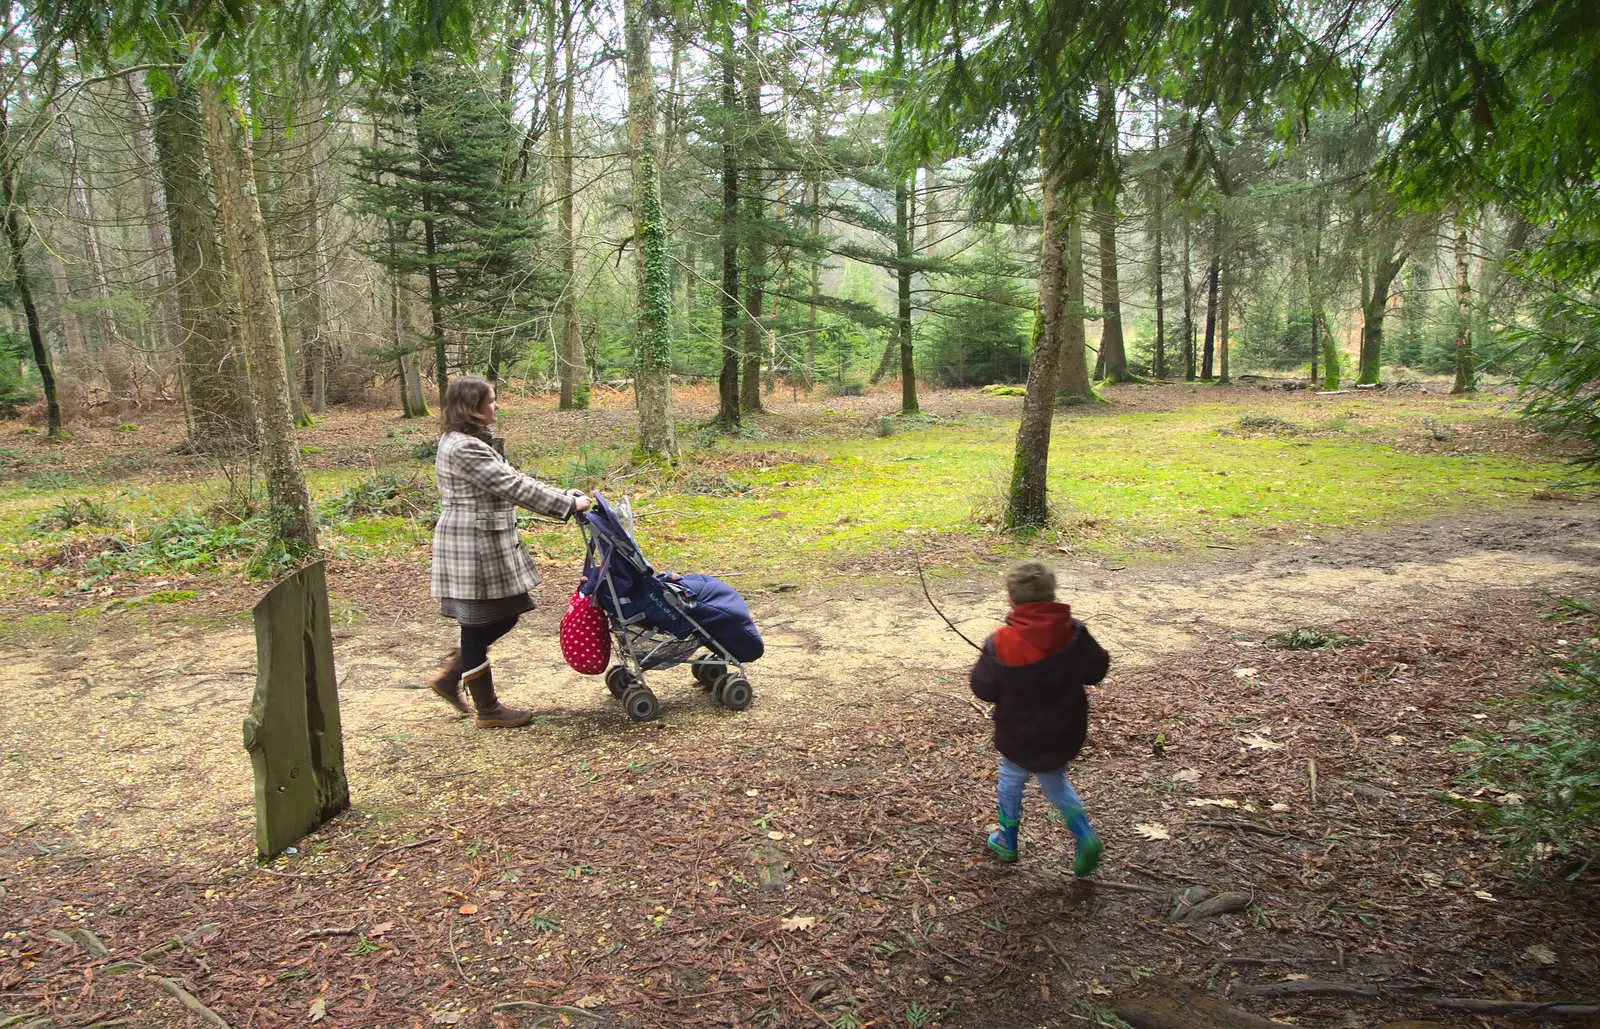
pixel 821 194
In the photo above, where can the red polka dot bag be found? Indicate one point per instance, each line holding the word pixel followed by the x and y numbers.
pixel 585 635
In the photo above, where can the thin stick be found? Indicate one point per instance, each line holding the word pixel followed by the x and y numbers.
pixel 405 846
pixel 924 580
pixel 1316 988
pixel 457 958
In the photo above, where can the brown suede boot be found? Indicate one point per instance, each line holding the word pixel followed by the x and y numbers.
pixel 491 713
pixel 446 682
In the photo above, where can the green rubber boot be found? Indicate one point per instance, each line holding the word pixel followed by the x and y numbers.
pixel 1088 858
pixel 1003 841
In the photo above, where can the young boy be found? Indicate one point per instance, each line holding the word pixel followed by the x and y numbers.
pixel 1033 669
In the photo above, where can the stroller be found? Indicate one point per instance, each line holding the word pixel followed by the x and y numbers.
pixel 659 620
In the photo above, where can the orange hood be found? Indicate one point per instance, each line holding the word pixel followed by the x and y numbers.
pixel 1033 632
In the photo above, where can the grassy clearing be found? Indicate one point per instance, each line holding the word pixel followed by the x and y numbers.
pixel 1126 484
pixel 1123 486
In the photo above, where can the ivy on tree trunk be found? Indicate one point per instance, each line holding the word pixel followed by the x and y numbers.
pixel 654 335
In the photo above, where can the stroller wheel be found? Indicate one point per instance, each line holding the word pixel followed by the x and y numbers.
pixel 618 680
pixel 733 692
pixel 707 671
pixel 640 704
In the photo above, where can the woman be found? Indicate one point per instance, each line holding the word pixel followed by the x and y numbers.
pixel 481 571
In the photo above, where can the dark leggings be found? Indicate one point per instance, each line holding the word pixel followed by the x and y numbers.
pixel 476 640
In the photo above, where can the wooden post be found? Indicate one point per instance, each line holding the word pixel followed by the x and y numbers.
pixel 293 733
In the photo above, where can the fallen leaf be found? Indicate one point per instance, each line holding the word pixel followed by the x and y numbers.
pixel 1259 743
pixel 1244 673
pixel 1280 806
pixel 1396 739
pixel 1206 802
pixel 319 1010
pixel 588 1001
pixel 467 909
pixel 1483 894
pixel 750 793
pixel 1152 831
pixel 797 923
pixel 380 929
pixel 1186 775
pixel 446 1017
pixel 1511 799
pixel 774 835
pixel 1295 977
pixel 1540 954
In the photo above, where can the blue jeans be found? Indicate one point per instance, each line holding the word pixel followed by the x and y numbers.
pixel 1053 784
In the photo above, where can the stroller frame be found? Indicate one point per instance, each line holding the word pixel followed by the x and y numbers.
pixel 641 647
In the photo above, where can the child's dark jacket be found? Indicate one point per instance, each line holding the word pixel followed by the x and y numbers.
pixel 1033 669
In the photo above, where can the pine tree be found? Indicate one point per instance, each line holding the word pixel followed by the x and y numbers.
pixel 444 210
pixel 977 330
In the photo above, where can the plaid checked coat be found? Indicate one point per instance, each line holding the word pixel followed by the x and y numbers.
pixel 477 554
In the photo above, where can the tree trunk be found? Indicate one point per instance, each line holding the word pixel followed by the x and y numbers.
pixel 1330 352
pixel 1027 501
pixel 1188 303
pixel 291 365
pixel 1112 351
pixel 755 265
pixel 215 380
pixel 1319 320
pixel 1322 340
pixel 571 330
pixel 886 359
pixel 1374 307
pixel 289 502
pixel 902 240
pixel 412 403
pixel 1073 379
pixel 1209 355
pixel 17 236
pixel 728 381
pixel 80 203
pixel 654 363
pixel 816 281
pixel 312 271
pixel 441 364
pixel 1226 291
pixel 1158 362
pixel 566 369
pixel 409 378
pixel 1111 345
pixel 1466 379
pixel 1314 341
pixel 169 318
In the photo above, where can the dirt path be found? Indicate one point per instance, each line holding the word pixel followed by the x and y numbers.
pixel 116 737
pixel 816 859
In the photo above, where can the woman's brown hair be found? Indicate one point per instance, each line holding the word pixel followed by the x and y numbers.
pixel 463 399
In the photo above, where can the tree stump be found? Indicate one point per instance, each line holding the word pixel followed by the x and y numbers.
pixel 293 732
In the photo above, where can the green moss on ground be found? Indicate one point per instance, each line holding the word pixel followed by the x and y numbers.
pixel 1122 484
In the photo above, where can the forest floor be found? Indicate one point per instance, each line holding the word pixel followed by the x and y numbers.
pixel 818 859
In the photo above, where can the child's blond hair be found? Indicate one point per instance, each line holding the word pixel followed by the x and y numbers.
pixel 1030 582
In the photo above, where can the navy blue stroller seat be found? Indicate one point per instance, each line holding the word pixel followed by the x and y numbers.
pixel 661 619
